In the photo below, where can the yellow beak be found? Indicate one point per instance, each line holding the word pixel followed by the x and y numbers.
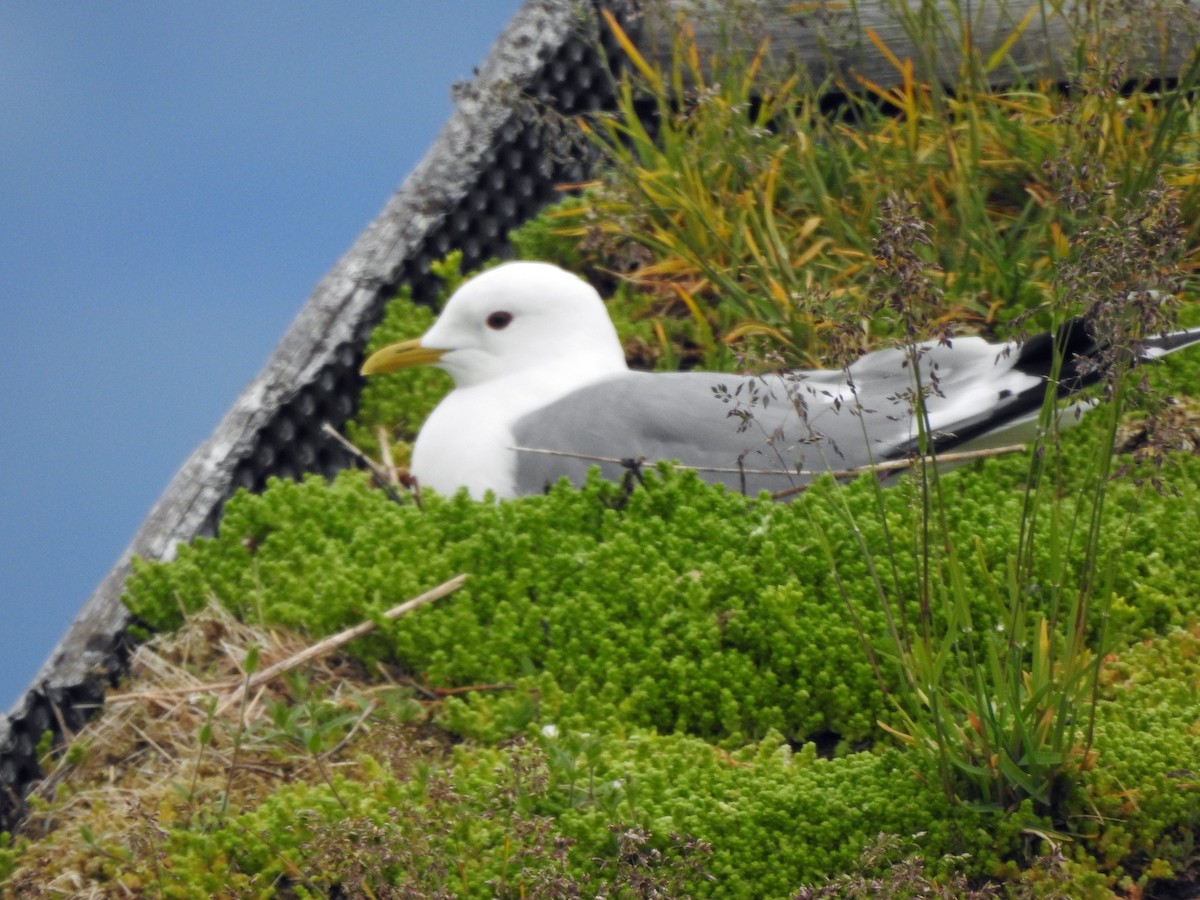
pixel 404 355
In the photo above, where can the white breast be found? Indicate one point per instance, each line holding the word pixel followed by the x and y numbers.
pixel 464 443
pixel 466 440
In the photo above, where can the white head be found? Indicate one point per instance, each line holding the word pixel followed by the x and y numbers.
pixel 517 316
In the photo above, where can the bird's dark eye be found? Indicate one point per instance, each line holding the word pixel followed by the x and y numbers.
pixel 499 320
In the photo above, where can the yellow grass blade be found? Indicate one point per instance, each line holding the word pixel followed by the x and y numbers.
pixel 748 328
pixel 811 224
pixel 631 51
pixel 1002 51
pixel 885 50
pixel 693 50
pixel 814 250
pixel 756 63
pixel 902 737
pixel 779 295
pixel 702 323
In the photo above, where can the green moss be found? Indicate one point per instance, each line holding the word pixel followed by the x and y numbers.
pixel 774 818
pixel 689 609
pixel 311 839
pixel 677 639
pixel 1143 789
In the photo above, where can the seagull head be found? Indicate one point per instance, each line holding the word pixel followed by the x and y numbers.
pixel 515 317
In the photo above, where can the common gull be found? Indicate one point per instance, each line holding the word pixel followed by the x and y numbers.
pixel 542 392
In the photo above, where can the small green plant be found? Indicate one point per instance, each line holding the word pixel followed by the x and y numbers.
pixel 45 744
pixel 1005 703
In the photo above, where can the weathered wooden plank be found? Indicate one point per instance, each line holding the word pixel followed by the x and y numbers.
pixel 833 38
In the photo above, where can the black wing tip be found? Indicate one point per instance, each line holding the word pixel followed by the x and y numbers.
pixel 1076 341
pixel 1073 339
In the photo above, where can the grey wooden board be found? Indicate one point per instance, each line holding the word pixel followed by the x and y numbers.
pixel 834 38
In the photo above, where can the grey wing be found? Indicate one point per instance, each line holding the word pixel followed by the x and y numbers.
pixel 756 434
pixel 744 432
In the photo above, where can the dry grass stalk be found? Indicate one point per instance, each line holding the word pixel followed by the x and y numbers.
pixel 236 652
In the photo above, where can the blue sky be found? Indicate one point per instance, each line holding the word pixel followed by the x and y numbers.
pixel 176 178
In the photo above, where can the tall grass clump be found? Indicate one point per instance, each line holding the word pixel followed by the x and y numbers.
pixel 905 213
pixel 752 205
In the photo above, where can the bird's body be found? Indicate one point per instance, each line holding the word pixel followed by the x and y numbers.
pixel 538 367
